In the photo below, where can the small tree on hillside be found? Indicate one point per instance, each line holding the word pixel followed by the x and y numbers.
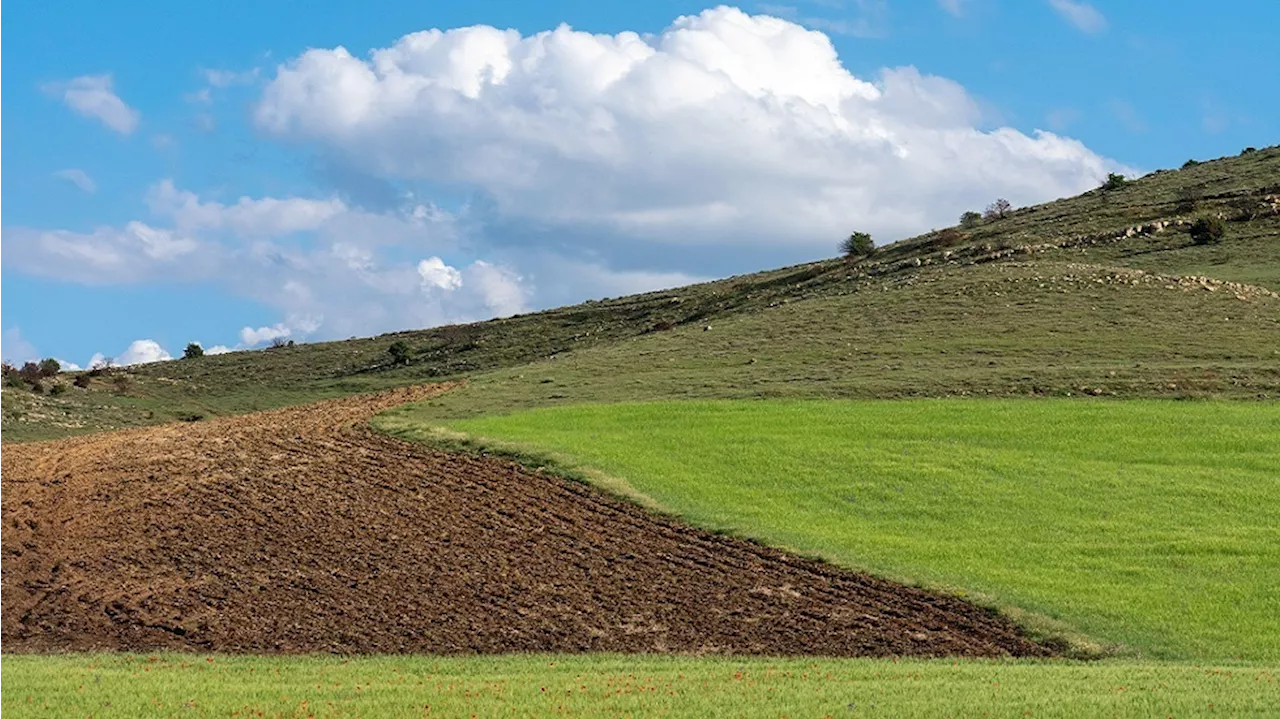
pixel 1208 230
pixel 49 367
pixel 970 219
pixel 1115 181
pixel 399 351
pixel 859 244
pixel 30 372
pixel 193 351
pixel 998 209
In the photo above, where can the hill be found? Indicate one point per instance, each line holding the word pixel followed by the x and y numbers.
pixel 1086 294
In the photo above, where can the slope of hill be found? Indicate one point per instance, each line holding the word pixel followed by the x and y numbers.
pixel 1049 299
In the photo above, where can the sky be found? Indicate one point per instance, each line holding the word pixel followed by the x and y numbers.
pixel 233 173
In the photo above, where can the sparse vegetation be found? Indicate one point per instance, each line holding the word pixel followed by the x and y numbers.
pixel 193 351
pixel 858 244
pixel 970 219
pixel 998 209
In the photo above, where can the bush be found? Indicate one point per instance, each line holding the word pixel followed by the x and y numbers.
pixel 30 372
pixel 1248 150
pixel 1115 181
pixel 859 244
pixel 1190 163
pixel 82 380
pixel 399 351
pixel 49 367
pixel 37 387
pixel 277 343
pixel 998 209
pixel 970 219
pixel 58 389
pixel 193 351
pixel 1208 230
pixel 949 237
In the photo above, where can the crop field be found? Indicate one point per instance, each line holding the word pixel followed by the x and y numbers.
pixel 1146 527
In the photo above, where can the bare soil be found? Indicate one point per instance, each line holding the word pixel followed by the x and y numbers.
pixel 302 530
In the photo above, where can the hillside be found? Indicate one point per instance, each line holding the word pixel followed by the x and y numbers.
pixel 1102 294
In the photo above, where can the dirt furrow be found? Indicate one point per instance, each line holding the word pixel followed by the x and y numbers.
pixel 302 530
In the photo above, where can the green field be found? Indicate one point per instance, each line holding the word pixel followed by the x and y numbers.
pixel 1149 527
pixel 580 686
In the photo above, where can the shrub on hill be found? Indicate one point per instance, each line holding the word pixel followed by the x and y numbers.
pixel 82 381
pixel 1114 181
pixel 30 372
pixel 859 244
pixel 1190 163
pixel 193 351
pixel 57 389
pixel 970 219
pixel 1208 230
pixel 998 209
pixel 49 367
pixel 399 351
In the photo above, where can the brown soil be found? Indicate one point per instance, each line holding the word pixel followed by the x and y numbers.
pixel 301 530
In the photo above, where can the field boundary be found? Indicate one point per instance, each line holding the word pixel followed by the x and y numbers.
pixel 1046 631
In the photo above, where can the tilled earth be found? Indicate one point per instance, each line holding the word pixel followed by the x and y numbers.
pixel 301 530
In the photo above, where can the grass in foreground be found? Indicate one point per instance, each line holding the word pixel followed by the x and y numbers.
pixel 555 685
pixel 1152 525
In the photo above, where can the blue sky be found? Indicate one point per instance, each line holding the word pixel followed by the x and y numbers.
pixel 166 181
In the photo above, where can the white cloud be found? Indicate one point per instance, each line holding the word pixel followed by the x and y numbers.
pixel 1082 15
pixel 266 217
pixel 65 366
pixel 723 128
pixel 16 349
pixel 955 7
pixel 108 255
pixel 203 96
pixel 204 122
pixel 217 350
pixel 94 96
pixel 79 178
pixel 142 352
pixel 436 274
pixel 251 337
pixel 163 141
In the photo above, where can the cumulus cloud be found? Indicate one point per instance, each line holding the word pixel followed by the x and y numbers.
pixel 94 96
pixel 65 366
pixel 227 78
pixel 217 350
pixel 436 274
pixel 1082 15
pixel 142 352
pixel 79 178
pixel 723 128
pixel 16 349
pixel 252 338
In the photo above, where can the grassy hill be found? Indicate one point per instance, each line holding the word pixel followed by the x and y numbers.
pixel 1091 294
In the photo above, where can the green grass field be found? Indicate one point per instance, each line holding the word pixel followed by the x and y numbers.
pixel 1150 527
pixel 582 686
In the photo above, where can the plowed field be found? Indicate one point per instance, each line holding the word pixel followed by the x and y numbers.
pixel 302 530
